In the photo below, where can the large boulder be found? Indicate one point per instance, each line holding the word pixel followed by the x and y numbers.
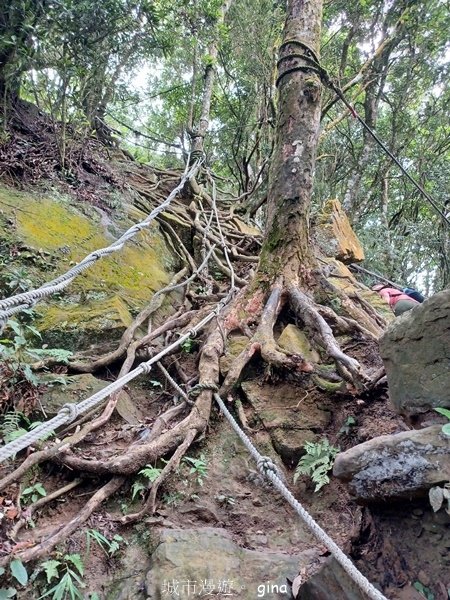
pixel 402 465
pixel 206 561
pixel 50 233
pixel 416 353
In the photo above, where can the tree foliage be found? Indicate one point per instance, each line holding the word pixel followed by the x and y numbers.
pixel 132 70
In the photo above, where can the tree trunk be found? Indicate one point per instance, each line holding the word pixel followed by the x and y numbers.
pixel 287 245
pixel 210 70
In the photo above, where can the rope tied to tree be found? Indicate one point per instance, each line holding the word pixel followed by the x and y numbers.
pixel 314 66
pixel 202 387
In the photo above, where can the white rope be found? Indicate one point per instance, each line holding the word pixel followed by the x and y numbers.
pixel 19 302
pixel 270 470
pixel 69 412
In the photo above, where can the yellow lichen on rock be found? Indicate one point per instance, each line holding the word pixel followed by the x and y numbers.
pixel 106 295
pixel 295 341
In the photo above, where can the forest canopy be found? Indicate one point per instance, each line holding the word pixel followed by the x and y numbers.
pixel 132 73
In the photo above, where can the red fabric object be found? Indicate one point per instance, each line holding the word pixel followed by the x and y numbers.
pixel 392 296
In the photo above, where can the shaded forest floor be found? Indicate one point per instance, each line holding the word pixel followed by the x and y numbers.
pixel 395 545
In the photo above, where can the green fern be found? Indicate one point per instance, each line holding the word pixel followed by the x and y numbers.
pixel 10 427
pixel 15 424
pixel 317 462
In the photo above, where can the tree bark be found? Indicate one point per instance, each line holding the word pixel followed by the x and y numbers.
pixel 287 248
pixel 209 76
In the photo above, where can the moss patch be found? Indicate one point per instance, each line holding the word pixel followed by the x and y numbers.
pixel 107 294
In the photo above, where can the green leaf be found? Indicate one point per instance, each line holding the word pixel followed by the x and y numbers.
pixel 151 473
pixel 7 593
pixel 443 411
pixel 76 560
pixel 446 429
pixel 137 487
pixel 15 326
pixel 2 570
pixel 40 489
pixel 51 569
pixel 18 571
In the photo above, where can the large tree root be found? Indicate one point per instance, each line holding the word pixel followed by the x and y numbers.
pixel 172 464
pixel 139 455
pixel 324 336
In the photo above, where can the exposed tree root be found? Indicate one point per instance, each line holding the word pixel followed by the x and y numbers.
pixel 60 534
pixel 324 336
pixel 255 312
pixel 30 510
pixel 139 455
pixel 172 464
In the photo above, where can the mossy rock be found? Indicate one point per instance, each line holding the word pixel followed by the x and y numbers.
pixel 235 345
pixel 77 388
pixel 294 341
pixel 107 295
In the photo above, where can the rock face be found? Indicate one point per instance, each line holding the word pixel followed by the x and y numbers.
pixel 77 388
pixel 52 233
pixel 295 341
pixel 416 352
pixel 403 465
pixel 289 415
pixel 335 236
pixel 330 582
pixel 206 560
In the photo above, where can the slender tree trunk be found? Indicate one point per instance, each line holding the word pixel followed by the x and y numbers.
pixel 287 247
pixel 210 71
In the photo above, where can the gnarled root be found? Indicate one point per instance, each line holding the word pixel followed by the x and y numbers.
pixel 313 320
pixel 140 454
pixel 172 464
pixel 263 343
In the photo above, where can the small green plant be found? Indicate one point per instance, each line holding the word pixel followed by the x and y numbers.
pixel 439 497
pixel 109 547
pixel 316 463
pixel 188 345
pixel 446 413
pixel 173 499
pixel 18 572
pixel 423 590
pixel 148 472
pixel 33 493
pixel 198 467
pixel 154 383
pixel 68 571
pixel 17 354
pixel 18 280
pixel 348 425
pixel 15 424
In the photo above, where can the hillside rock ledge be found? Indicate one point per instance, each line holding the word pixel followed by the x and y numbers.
pixel 402 465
